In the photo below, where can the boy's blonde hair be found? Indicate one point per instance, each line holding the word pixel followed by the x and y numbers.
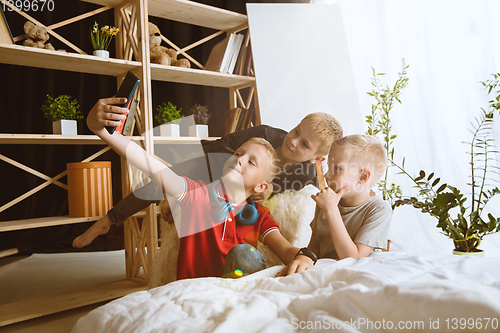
pixel 366 150
pixel 326 127
pixel 272 169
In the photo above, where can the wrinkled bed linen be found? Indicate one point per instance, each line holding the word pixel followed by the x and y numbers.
pixel 386 292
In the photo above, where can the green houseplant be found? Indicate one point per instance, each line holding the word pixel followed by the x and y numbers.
pixel 169 117
pixel 379 125
pixel 201 117
pixel 441 200
pixel 469 227
pixel 63 111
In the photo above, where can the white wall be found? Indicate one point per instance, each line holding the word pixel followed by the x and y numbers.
pixel 450 46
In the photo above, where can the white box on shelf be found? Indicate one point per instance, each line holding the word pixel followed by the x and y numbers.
pixel 170 130
pixel 64 127
pixel 200 131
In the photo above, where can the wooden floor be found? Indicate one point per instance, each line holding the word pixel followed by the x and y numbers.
pixel 38 275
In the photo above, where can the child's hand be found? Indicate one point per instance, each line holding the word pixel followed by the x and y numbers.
pixel 301 263
pixel 106 113
pixel 327 198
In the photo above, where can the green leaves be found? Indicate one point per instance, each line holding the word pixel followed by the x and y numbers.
pixel 468 228
pixel 167 112
pixel 379 122
pixel 493 85
pixel 62 107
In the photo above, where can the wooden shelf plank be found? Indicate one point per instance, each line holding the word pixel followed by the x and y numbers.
pixel 73 62
pixel 198 77
pixel 188 12
pixel 49 222
pixel 43 222
pixel 41 306
pixel 179 140
pixel 54 139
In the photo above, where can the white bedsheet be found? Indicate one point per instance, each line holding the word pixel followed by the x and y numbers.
pixel 386 292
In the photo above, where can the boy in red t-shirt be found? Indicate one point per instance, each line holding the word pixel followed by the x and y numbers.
pixel 208 229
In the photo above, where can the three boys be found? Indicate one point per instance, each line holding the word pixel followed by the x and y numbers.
pixel 206 238
pixel 296 152
pixel 349 222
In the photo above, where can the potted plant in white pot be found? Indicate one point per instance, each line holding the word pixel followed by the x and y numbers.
pixel 169 118
pixel 440 200
pixel 101 38
pixel 63 111
pixel 468 228
pixel 201 117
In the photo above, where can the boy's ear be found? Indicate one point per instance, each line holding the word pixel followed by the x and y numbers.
pixel 318 159
pixel 364 175
pixel 261 187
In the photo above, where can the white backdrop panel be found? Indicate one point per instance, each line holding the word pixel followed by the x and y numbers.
pixel 302 64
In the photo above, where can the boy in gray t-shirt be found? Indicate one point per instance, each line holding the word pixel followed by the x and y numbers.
pixel 348 222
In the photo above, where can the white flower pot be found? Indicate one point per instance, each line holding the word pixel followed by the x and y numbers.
pixel 170 130
pixel 101 53
pixel 64 127
pixel 479 253
pixel 200 131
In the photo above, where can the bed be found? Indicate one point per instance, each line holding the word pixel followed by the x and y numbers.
pixel 385 292
pixel 389 291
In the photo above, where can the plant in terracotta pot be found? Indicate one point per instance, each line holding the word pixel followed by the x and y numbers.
pixel 169 117
pixel 465 225
pixel 201 117
pixel 63 111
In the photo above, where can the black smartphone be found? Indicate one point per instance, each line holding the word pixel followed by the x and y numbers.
pixel 127 90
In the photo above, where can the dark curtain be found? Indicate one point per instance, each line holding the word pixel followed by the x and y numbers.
pixel 24 89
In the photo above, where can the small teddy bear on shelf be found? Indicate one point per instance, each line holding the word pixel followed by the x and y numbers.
pixel 160 54
pixel 36 36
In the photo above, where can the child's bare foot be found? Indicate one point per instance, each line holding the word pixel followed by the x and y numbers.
pixel 101 227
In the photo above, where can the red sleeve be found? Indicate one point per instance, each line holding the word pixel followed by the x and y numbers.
pixel 194 203
pixel 267 223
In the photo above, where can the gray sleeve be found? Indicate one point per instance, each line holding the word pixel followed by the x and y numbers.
pixel 313 223
pixel 375 227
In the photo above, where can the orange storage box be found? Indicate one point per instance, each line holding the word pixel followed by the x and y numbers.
pixel 89 188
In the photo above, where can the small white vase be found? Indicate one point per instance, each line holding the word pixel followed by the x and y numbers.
pixel 200 131
pixel 170 130
pixel 101 53
pixel 64 127
pixel 479 253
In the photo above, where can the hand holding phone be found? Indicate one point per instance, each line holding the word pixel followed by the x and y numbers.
pixel 127 90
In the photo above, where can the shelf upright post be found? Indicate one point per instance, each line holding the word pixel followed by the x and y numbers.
pixel 141 243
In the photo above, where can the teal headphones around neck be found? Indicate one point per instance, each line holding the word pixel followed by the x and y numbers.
pixel 220 209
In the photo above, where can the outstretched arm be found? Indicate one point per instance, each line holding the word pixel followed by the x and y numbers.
pixel 301 263
pixel 286 252
pixel 106 113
